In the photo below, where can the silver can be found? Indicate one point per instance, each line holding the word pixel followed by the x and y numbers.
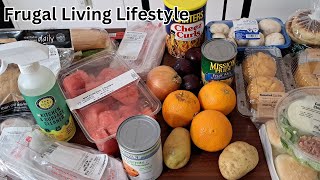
pixel 140 147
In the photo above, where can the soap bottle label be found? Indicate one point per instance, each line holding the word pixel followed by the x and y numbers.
pixel 52 114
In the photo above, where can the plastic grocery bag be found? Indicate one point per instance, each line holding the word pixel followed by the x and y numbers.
pixel 26 153
pixel 143 46
pixel 304 25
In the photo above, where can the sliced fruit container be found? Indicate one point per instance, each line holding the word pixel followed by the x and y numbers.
pixel 229 23
pixel 102 92
pixel 297 118
pixel 248 95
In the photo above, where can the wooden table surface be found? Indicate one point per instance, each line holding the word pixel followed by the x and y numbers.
pixel 202 164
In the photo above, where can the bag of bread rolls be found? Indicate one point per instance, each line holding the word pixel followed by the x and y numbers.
pixel 303 26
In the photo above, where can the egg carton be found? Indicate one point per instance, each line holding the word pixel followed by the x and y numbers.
pixel 243 102
pixel 208 34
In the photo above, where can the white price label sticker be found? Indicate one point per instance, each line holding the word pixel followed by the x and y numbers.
pixel 89 165
pixel 246 29
pixel 102 90
pixel 131 44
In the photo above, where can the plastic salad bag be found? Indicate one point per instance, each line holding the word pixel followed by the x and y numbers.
pixel 26 153
pixel 304 25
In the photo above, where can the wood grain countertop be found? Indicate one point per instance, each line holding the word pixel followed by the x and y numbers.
pixel 203 164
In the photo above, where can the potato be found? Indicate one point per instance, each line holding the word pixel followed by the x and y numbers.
pixel 177 148
pixel 237 159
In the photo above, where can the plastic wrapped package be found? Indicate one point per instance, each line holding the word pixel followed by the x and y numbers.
pixel 143 46
pixel 262 32
pixel 102 92
pixel 260 82
pixel 297 118
pixel 28 154
pixel 17 121
pixel 304 26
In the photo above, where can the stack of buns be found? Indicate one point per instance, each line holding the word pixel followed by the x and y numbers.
pixel 307 72
pixel 259 72
pixel 287 167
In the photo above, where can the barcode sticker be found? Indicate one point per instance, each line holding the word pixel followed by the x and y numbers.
pixel 102 90
pixel 131 44
pixel 246 29
pixel 89 165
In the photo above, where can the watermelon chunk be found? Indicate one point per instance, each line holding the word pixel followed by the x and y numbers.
pixel 98 133
pixel 75 83
pixel 107 118
pixel 108 73
pixel 109 147
pixel 128 111
pixel 128 95
pixel 91 113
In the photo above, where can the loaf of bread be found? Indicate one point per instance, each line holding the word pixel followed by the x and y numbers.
pixel 290 169
pixel 259 64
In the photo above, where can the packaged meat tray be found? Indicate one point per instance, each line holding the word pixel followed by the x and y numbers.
pixel 303 68
pixel 102 92
pixel 143 46
pixel 297 117
pixel 262 32
pixel 260 82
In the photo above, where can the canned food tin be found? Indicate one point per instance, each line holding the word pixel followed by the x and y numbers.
pixel 183 35
pixel 140 147
pixel 218 61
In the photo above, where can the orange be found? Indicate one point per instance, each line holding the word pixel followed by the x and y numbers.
pixel 211 130
pixel 179 107
pixel 217 96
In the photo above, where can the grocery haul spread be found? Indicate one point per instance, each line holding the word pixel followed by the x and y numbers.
pixel 152 101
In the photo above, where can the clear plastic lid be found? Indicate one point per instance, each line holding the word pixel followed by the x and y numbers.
pixel 102 92
pixel 297 117
pixel 260 82
pixel 303 26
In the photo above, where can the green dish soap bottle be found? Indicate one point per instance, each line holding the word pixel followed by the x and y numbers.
pixel 39 88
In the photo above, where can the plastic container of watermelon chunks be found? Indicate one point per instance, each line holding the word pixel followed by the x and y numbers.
pixel 102 92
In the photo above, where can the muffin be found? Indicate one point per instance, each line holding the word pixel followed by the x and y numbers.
pixel 259 64
pixel 263 84
pixel 305 74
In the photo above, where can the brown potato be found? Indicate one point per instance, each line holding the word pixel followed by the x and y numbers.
pixel 177 148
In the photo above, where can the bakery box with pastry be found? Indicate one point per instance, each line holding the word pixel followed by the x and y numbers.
pixel 307 71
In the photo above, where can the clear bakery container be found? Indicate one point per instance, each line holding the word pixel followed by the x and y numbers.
pixel 297 118
pixel 303 68
pixel 102 92
pixel 255 94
